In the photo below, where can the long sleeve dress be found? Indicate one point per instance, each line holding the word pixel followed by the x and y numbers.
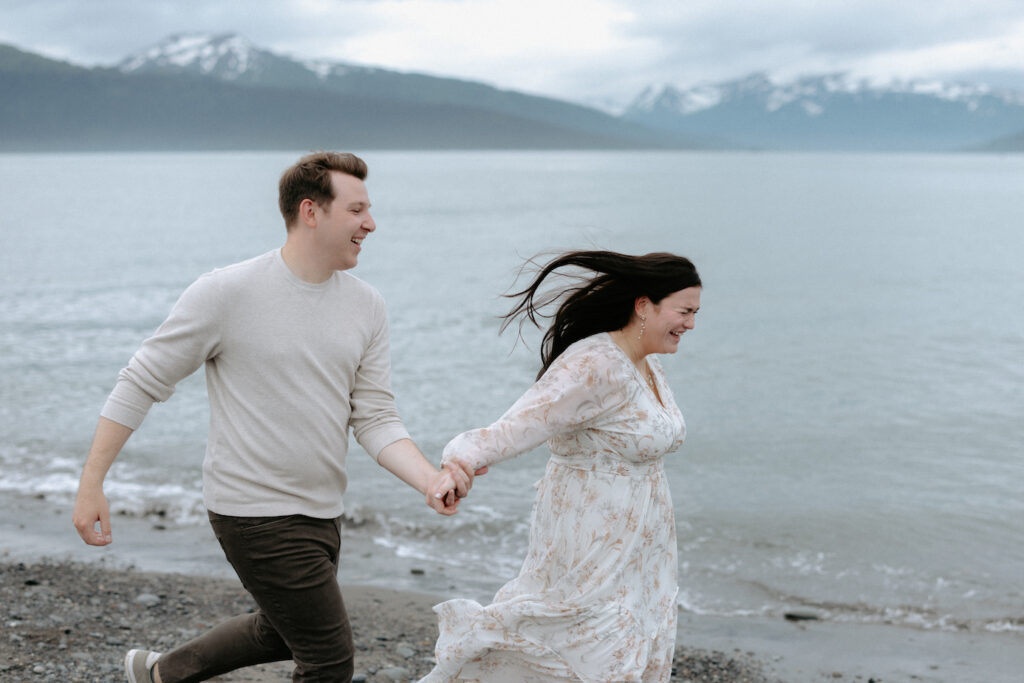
pixel 595 599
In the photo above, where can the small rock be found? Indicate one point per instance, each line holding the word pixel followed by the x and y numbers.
pixel 395 674
pixel 417 571
pixel 147 600
pixel 405 652
pixel 801 616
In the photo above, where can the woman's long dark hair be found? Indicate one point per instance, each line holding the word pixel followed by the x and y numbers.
pixel 601 302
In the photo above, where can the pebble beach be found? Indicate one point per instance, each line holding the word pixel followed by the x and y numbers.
pixel 70 612
pixel 70 621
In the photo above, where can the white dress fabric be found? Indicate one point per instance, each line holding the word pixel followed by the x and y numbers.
pixel 596 597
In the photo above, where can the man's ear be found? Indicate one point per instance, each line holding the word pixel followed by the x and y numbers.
pixel 307 212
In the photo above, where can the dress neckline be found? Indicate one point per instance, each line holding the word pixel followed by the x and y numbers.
pixel 655 390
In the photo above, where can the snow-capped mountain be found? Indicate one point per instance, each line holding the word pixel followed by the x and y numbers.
pixel 231 57
pixel 811 92
pixel 834 111
pixel 222 92
pixel 228 55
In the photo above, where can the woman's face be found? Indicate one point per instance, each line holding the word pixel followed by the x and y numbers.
pixel 668 319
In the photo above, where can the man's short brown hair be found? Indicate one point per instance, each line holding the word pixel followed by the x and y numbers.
pixel 310 178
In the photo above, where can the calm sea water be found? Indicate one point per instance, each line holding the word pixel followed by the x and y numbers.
pixel 854 388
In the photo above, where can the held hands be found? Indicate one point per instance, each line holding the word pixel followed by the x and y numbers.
pixel 450 485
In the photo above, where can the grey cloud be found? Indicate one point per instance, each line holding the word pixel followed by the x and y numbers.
pixel 104 32
pixel 680 42
pixel 730 36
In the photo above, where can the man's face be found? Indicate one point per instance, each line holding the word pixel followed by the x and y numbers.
pixel 345 223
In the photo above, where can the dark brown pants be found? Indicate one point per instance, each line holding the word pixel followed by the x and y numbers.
pixel 290 566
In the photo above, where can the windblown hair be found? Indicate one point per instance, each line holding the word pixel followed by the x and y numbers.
pixel 310 178
pixel 601 302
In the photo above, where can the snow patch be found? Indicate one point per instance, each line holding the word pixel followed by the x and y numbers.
pixel 229 54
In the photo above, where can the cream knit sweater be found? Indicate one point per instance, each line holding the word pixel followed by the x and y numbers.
pixel 289 367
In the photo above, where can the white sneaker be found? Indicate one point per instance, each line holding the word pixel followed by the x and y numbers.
pixel 138 665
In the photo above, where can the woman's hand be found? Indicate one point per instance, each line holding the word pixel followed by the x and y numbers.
pixel 442 492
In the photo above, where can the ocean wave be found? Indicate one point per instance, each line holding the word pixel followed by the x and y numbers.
pixel 487 547
pixel 906 616
pixel 485 544
pixel 170 502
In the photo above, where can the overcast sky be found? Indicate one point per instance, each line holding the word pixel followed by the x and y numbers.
pixel 585 50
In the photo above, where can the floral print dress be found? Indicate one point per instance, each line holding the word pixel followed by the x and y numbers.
pixel 596 597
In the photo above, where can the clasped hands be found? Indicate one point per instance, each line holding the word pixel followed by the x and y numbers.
pixel 451 484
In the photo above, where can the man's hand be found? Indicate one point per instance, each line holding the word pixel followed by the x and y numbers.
pixel 442 493
pixel 442 489
pixel 91 507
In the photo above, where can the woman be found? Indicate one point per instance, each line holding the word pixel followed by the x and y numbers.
pixel 596 597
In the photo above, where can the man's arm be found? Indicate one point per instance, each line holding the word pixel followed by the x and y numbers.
pixel 91 505
pixel 403 459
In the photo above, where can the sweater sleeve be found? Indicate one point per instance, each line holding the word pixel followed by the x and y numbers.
pixel 183 342
pixel 577 390
pixel 374 417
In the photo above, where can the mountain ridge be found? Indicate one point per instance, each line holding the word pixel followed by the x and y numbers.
pixel 50 105
pixel 835 111
pixel 779 93
pixel 207 77
pixel 232 58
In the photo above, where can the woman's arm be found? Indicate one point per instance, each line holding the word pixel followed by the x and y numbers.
pixel 579 386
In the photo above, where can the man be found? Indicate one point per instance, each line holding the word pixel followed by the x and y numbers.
pixel 296 352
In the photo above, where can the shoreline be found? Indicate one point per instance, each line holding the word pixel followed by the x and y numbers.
pixel 52 582
pixel 69 621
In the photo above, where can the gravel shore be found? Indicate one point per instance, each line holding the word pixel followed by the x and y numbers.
pixel 65 621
